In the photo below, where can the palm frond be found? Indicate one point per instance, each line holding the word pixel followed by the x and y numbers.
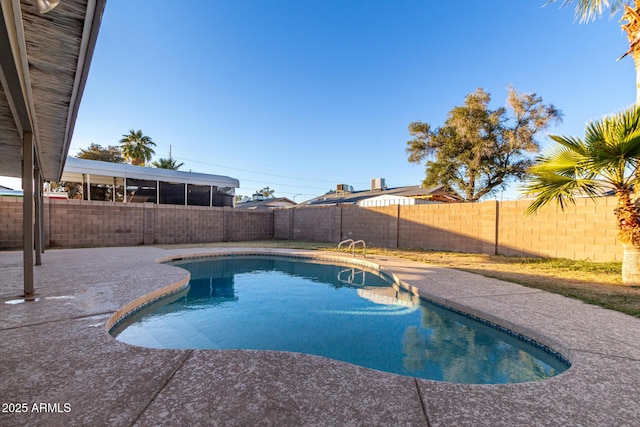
pixel 588 10
pixel 562 189
pixel 608 158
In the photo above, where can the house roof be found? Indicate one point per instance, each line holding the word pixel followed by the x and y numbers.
pixel 44 63
pixel 277 202
pixel 436 193
pixel 104 172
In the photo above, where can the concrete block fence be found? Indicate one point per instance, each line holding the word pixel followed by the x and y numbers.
pixel 583 231
pixel 79 223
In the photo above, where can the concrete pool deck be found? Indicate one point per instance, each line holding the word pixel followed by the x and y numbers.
pixel 57 351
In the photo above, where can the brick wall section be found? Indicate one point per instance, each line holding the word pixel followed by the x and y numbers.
pixel 186 224
pixel 458 227
pixel 148 235
pixel 584 231
pixel 377 226
pixel 243 224
pixel 316 224
pixel 282 224
pixel 10 222
pixel 78 223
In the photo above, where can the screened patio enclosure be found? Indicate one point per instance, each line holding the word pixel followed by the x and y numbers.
pixel 120 182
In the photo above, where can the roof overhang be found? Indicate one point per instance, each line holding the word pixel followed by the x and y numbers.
pixel 44 63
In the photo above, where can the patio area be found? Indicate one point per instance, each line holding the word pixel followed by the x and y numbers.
pixel 56 351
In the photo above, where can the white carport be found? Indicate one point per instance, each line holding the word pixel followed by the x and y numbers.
pixel 145 184
pixel 44 63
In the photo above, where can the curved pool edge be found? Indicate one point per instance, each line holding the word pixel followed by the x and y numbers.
pixel 521 332
pixel 146 300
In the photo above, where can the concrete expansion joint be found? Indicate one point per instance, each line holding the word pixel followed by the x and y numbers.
pixel 163 386
pixel 422 402
pixel 605 354
pixel 64 319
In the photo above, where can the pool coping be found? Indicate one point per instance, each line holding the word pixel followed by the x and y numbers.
pixel 601 385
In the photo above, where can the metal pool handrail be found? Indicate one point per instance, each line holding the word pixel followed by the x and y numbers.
pixel 345 241
pixel 352 246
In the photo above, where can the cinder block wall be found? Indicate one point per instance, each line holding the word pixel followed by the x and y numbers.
pixel 316 224
pixel 377 226
pixel 10 222
pixel 458 227
pixel 78 223
pixel 584 231
pixel 242 225
pixel 185 224
pixel 283 224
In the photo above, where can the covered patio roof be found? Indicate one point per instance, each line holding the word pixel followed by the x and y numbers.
pixel 43 69
pixel 44 63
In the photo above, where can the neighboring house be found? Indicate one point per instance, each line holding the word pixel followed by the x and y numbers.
pixel 380 195
pixel 261 202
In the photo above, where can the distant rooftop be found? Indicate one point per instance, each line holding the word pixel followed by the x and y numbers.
pixel 437 193
pixel 266 203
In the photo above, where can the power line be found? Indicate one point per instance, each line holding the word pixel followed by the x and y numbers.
pixel 263 173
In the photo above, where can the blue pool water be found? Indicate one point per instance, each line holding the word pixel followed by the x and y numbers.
pixel 339 312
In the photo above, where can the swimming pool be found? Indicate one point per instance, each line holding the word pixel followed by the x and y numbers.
pixel 342 312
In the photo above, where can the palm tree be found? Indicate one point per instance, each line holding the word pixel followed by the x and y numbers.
pixel 167 163
pixel 136 147
pixel 588 10
pixel 607 159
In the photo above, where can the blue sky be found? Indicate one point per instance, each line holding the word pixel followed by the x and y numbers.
pixel 302 95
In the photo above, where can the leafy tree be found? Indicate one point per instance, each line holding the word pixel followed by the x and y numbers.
pixel 136 147
pixel 478 150
pixel 588 10
pixel 96 152
pixel 607 158
pixel 266 192
pixel 167 163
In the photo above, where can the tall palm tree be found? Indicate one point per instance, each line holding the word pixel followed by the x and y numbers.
pixel 167 163
pixel 136 147
pixel 607 159
pixel 588 10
